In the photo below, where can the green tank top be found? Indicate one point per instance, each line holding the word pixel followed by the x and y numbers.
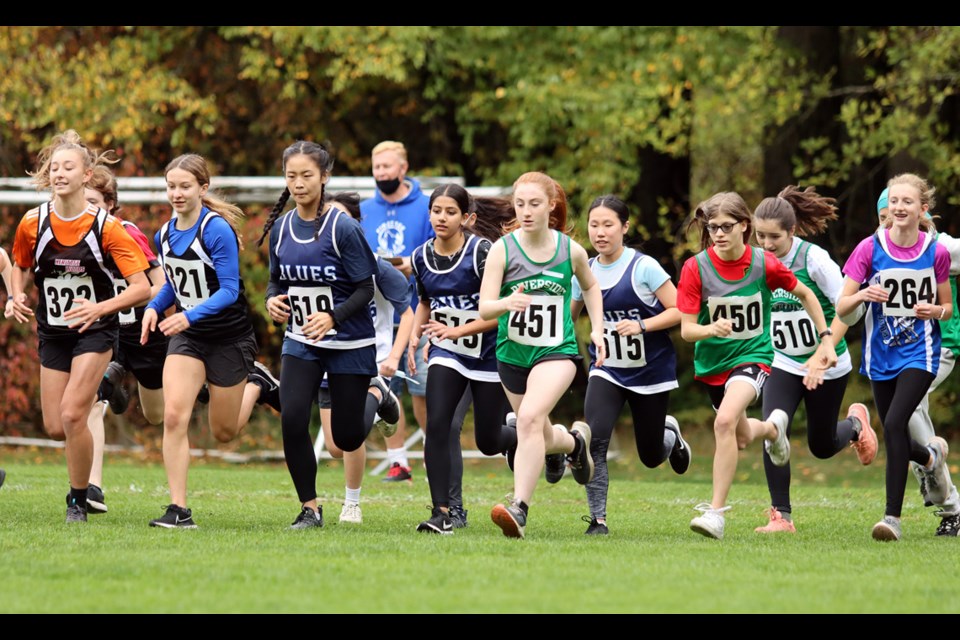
pixel 545 328
pixel 792 330
pixel 950 329
pixel 746 303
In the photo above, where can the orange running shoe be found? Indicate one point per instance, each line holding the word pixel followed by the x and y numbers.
pixel 866 445
pixel 777 524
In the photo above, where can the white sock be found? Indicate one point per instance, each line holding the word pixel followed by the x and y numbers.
pixel 669 439
pixel 353 496
pixel 398 455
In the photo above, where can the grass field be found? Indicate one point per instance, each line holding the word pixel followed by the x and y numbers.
pixel 243 559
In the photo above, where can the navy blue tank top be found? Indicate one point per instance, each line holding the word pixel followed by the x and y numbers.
pixel 455 300
pixel 313 276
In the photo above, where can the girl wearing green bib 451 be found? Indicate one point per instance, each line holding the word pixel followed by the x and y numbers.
pixel 527 284
pixel 724 298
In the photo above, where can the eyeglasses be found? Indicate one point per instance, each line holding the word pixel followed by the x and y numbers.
pixel 726 228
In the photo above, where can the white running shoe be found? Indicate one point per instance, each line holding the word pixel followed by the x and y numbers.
pixel 350 514
pixel 711 523
pixel 779 449
pixel 887 530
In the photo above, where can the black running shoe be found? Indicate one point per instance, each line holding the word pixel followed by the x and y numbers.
pixel 458 516
pixel 76 513
pixel 95 501
pixel 582 465
pixel 389 409
pixel 204 396
pixel 269 386
pixel 554 466
pixel 595 528
pixel 949 525
pixel 308 518
pixel 511 455
pixel 175 518
pixel 511 423
pixel 680 455
pixel 439 522
pixel 3 476
pixel 510 518
pixel 119 398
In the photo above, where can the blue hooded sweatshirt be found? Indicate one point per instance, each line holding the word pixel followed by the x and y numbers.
pixel 395 229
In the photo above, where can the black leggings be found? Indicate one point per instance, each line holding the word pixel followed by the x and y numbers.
pixel 445 387
pixel 896 401
pixel 825 436
pixel 299 383
pixel 602 407
pixel 456 451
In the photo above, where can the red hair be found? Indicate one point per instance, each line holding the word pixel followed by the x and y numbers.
pixel 558 215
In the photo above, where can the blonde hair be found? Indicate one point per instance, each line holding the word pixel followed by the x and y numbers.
pixel 195 164
pixel 926 197
pixel 69 139
pixel 390 145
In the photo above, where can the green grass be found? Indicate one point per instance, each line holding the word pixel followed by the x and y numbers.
pixel 243 559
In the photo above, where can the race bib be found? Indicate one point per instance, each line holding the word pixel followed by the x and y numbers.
pixel 127 316
pixel 59 294
pixel 540 324
pixel 467 346
pixel 744 312
pixel 306 301
pixel 622 351
pixel 793 333
pixel 189 280
pixel 907 287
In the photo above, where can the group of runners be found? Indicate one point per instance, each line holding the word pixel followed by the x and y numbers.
pixel 473 301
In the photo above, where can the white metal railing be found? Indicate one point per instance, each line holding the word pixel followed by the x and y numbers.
pixel 240 189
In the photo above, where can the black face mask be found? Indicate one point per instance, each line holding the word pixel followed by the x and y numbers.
pixel 388 187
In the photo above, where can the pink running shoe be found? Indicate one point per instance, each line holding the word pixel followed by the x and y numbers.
pixel 777 524
pixel 866 445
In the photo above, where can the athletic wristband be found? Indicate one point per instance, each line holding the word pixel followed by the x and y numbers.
pixel 826 332
pixel 943 310
pixel 643 327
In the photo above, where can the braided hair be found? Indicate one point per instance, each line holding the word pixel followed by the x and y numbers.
pixel 321 156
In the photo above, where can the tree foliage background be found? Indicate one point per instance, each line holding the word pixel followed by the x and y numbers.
pixel 663 116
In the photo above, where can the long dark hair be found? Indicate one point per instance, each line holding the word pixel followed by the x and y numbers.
pixel 495 216
pixel 322 157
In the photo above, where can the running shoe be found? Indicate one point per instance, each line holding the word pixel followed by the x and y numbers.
pixel 777 524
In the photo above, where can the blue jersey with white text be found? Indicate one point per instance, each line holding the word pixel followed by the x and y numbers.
pixel 897 339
